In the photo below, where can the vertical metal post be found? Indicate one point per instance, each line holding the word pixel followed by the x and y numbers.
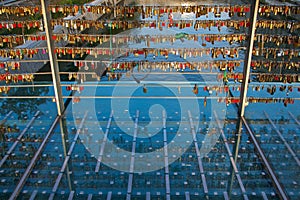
pixel 244 86
pixel 247 65
pixel 115 8
pixel 52 58
pixel 246 73
pixel 262 45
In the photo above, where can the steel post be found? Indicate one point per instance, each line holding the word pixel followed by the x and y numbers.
pixel 248 58
pixel 52 58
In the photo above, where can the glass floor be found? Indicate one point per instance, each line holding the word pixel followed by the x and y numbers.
pixel 162 123
pixel 148 146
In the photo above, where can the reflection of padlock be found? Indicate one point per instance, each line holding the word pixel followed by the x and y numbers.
pixel 195 89
pixel 217 12
pixel 145 90
pixel 231 12
pixel 240 12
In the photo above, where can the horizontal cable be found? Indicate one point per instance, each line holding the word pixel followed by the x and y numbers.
pixel 261 77
pixel 12 40
pixel 215 52
pixel 222 65
pixel 211 84
pixel 134 37
pixel 206 86
pixel 134 62
pixel 228 74
pixel 231 52
pixel 226 100
pixel 120 39
pixel 181 24
pixel 141 51
pixel 97 51
pixel 257 62
pixel 150 10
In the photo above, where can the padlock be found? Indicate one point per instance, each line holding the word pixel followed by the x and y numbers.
pixel 217 12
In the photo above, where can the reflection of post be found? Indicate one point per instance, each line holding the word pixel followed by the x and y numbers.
pixel 235 174
pixel 238 135
pixel 52 58
pixel 236 147
pixel 64 137
pixel 203 178
pixel 262 45
pixel 166 156
pixel 67 159
pixel 115 8
pixel 131 168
